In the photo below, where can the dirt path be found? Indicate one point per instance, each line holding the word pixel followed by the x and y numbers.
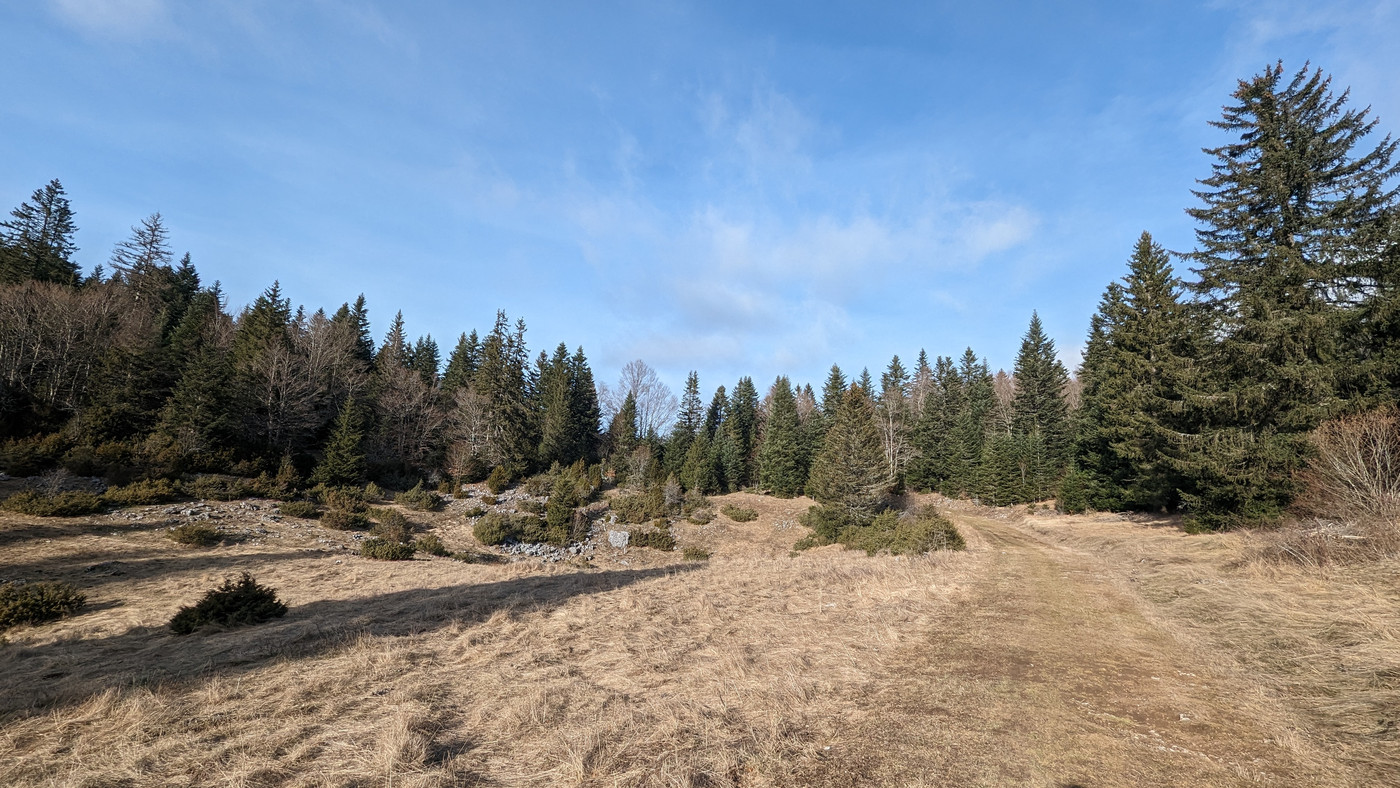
pixel 1051 671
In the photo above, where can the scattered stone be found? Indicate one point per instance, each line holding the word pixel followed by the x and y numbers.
pixel 618 539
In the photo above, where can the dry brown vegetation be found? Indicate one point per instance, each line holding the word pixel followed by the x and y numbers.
pixel 1055 651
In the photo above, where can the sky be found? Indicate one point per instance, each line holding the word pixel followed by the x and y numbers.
pixel 735 188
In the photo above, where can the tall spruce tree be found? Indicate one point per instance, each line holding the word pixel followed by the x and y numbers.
pixel 37 241
pixel 970 424
pixel 462 364
pixel 780 456
pixel 851 473
pixel 1137 363
pixel 689 421
pixel 1278 265
pixel 741 424
pixel 343 462
pixel 1040 415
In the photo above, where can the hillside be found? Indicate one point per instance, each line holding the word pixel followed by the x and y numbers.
pixel 1055 651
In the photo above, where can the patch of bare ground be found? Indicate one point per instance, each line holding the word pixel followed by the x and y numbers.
pixel 1322 642
pixel 1034 658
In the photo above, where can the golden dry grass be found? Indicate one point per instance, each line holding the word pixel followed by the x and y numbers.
pixel 1037 657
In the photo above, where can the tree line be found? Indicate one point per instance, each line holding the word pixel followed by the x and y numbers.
pixel 1192 395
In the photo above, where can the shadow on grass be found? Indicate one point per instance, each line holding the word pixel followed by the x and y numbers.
pixel 98 567
pixel 39 678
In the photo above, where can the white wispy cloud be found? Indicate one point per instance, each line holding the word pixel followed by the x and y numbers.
pixel 126 19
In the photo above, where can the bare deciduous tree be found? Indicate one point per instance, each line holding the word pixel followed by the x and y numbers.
pixel 656 405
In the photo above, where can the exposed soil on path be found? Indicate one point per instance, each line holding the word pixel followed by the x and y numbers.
pixel 1051 671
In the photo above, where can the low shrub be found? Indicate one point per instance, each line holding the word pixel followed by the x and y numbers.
pixel 738 514
pixel 496 528
pixel 30 456
pixel 431 545
pixel 143 493
pixel 65 504
pixel 385 550
pixel 532 506
pixel 638 508
pixel 498 480
pixel 489 500
pixel 911 533
pixel 492 529
pixel 701 516
pixel 35 603
pixel 217 488
pixel 373 492
pixel 236 603
pixel 657 539
pixel 476 557
pixel 351 499
pixel 419 499
pixel 304 510
pixel 475 511
pixel 343 520
pixel 195 535
pixel 390 524
pixel 541 483
pixel 695 554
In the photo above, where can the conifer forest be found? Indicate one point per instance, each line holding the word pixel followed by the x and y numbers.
pixel 1204 373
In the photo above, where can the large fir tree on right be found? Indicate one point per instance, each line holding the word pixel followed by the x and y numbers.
pixel 1281 258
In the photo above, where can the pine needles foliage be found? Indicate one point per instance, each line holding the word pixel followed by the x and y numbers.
pixel 235 603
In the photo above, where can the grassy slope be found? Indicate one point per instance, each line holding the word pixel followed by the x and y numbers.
pixel 1035 658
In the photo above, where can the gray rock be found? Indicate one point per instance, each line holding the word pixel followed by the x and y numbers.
pixel 618 539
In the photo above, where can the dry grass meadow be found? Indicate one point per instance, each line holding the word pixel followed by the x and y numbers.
pixel 1055 651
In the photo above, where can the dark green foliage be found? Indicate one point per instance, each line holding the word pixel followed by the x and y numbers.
pixel 493 528
pixel 37 241
pixel 1002 470
pixel 498 481
pixel 639 507
pixel 622 435
pixel 217 488
pixel 344 520
pixel 1081 491
pixel 695 554
pixel 741 428
pixel 475 511
pixel 462 364
pixel 423 359
pixel 431 545
pixel 851 471
pixel 304 510
pixel 386 550
pixel 235 603
pixel 143 493
pixel 657 538
pixel 419 499
pixel 344 460
pixel 1137 364
pixel 31 456
pixel 35 603
pixel 195 535
pixel 392 525
pixel 532 506
pixel 937 457
pixel 910 533
pixel 738 514
pixel 780 460
pixel 64 504
pixel 351 499
pixel 1040 416
pixel 475 557
pixel 1288 225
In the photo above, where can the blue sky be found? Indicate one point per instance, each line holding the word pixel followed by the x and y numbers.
pixel 738 188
